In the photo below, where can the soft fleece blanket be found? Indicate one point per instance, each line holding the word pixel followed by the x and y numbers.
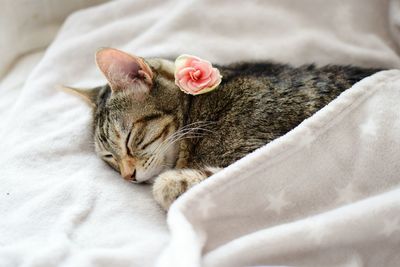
pixel 325 194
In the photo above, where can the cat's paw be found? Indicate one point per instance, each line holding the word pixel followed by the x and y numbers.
pixel 171 184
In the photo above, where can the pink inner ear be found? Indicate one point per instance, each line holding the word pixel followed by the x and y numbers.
pixel 122 69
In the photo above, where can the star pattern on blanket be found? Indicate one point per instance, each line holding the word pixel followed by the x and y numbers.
pixel 347 194
pixel 390 227
pixel 307 138
pixel 277 203
pixel 369 128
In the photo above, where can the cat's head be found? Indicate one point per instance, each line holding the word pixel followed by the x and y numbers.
pixel 135 115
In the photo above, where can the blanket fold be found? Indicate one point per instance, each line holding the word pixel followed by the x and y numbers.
pixel 325 194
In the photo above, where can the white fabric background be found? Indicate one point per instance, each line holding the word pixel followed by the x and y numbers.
pixel 62 206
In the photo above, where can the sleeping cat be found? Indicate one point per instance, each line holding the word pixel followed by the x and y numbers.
pixel 150 131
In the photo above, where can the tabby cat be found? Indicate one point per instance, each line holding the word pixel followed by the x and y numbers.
pixel 150 131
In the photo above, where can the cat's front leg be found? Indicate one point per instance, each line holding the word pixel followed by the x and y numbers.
pixel 169 185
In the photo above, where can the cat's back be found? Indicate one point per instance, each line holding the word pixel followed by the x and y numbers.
pixel 267 77
pixel 258 102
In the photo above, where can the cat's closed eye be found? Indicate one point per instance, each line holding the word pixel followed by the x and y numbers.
pixel 109 158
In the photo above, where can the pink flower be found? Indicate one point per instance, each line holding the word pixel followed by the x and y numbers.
pixel 195 76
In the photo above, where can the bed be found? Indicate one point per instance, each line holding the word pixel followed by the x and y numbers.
pixel 325 194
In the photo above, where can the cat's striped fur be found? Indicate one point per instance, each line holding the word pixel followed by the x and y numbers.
pixel 178 140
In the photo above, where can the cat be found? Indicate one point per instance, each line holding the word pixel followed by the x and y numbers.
pixel 150 131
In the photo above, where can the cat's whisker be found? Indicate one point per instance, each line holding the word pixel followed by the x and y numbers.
pixel 169 141
pixel 176 135
pixel 159 163
pixel 168 145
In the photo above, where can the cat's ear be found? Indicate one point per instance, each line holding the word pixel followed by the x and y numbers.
pixel 124 71
pixel 88 95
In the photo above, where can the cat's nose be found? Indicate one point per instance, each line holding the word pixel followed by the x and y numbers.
pixel 130 176
pixel 128 171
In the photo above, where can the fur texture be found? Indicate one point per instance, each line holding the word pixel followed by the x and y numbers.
pixel 177 140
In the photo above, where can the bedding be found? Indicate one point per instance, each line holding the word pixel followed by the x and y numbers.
pixel 325 194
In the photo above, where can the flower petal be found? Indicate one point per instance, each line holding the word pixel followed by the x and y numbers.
pixel 203 83
pixel 184 72
pixel 184 61
pixel 205 67
pixel 195 76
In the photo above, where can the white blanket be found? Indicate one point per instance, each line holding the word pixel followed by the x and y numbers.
pixel 325 194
